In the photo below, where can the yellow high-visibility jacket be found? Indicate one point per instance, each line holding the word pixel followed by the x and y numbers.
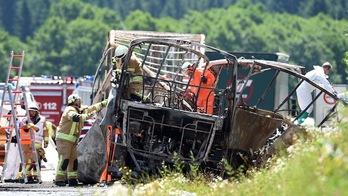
pixel 71 122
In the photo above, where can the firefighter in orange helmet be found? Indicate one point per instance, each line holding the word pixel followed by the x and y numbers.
pixel 204 94
pixel 67 137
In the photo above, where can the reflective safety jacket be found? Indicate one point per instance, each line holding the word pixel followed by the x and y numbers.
pixel 51 131
pixel 42 134
pixel 25 136
pixel 205 98
pixel 195 81
pixel 134 70
pixel 72 121
pixel 204 94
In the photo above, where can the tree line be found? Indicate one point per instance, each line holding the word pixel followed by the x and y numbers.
pixel 68 37
pixel 21 17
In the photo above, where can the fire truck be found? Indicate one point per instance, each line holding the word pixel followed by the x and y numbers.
pixel 51 94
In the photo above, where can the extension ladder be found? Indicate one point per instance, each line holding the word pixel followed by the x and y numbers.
pixel 12 90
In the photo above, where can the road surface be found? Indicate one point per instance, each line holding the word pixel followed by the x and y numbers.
pixel 47 187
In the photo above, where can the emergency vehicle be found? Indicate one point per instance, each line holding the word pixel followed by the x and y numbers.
pixel 51 94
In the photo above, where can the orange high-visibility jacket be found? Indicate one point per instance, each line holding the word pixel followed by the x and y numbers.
pixel 205 96
pixel 25 136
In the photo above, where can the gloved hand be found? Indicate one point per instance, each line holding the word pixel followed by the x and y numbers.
pixel 117 72
pixel 42 154
pixel 90 115
pixel 114 62
pixel 257 69
pixel 31 125
pixel 45 144
pixel 83 110
pixel 104 103
pixel 35 127
pixel 204 79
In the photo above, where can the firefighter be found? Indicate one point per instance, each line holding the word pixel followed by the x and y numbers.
pixel 67 137
pixel 41 137
pixel 205 94
pixel 26 128
pixel 134 73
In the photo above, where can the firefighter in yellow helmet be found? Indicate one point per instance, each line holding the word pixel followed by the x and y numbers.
pixel 67 137
pixel 134 73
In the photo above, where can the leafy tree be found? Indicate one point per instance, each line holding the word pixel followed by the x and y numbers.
pixel 244 26
pixel 72 44
pixel 7 18
pixel 21 17
pixel 345 59
pixel 67 10
pixel 8 44
pixel 48 46
pixel 249 27
pixel 85 46
pixel 139 20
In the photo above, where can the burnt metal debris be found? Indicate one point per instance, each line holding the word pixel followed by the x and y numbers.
pixel 163 125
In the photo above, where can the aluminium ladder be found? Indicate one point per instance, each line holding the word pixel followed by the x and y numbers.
pixel 12 90
pixel 11 83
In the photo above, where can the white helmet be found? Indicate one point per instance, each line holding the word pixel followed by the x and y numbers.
pixel 327 64
pixel 186 65
pixel 33 107
pixel 72 98
pixel 121 51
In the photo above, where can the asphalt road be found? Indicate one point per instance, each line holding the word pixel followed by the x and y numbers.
pixel 47 187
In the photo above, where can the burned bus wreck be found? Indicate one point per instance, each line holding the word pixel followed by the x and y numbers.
pixel 165 123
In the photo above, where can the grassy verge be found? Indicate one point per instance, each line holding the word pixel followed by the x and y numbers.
pixel 315 166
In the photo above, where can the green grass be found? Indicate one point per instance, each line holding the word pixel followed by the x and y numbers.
pixel 317 165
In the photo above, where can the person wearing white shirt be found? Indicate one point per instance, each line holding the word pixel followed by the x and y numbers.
pixel 318 75
pixel 13 158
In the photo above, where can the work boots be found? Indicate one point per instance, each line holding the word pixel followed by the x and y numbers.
pixel 42 154
pixel 60 183
pixel 30 180
pixel 35 180
pixel 73 182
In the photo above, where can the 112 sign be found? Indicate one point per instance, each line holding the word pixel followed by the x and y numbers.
pixel 49 106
